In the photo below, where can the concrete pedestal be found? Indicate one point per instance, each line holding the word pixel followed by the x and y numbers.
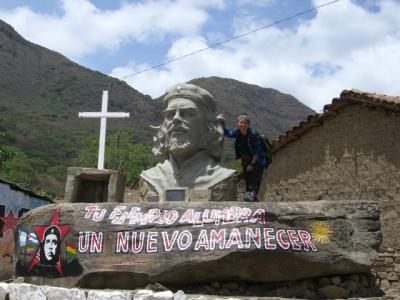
pixel 93 185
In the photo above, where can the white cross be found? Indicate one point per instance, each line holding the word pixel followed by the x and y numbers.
pixel 103 115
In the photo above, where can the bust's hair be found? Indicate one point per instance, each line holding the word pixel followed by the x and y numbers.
pixel 212 142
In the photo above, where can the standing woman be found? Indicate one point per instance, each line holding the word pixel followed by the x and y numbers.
pixel 248 148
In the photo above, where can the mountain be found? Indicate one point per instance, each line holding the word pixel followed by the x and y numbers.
pixel 48 89
pixel 41 93
pixel 271 111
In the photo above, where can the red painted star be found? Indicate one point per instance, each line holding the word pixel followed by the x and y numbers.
pixel 40 230
pixel 9 222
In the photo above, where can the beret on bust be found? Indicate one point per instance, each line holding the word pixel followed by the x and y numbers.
pixel 190 91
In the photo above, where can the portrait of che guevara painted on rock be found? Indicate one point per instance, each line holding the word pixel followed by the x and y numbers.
pixel 47 251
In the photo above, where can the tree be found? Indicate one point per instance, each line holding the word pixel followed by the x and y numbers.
pixel 121 154
pixel 6 153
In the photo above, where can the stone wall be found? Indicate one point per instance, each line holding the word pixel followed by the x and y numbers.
pixel 353 155
pixel 22 291
pixel 328 287
pixel 387 270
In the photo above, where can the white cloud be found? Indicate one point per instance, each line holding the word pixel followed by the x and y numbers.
pixel 84 29
pixel 256 2
pixel 344 46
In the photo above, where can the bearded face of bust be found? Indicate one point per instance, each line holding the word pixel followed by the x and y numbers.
pixel 184 121
pixel 190 124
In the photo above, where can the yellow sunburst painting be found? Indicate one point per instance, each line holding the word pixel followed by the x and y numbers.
pixel 321 232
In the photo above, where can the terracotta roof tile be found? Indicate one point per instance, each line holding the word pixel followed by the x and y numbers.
pixel 347 97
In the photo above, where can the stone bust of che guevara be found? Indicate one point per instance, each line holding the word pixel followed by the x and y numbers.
pixel 190 143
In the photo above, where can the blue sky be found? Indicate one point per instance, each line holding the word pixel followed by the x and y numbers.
pixel 348 44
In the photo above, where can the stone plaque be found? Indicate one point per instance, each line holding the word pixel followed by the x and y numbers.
pixel 154 198
pixel 178 194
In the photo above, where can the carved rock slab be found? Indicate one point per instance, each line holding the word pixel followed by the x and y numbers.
pixel 109 245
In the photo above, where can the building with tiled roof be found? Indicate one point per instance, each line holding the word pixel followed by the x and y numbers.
pixel 350 151
pixel 347 98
